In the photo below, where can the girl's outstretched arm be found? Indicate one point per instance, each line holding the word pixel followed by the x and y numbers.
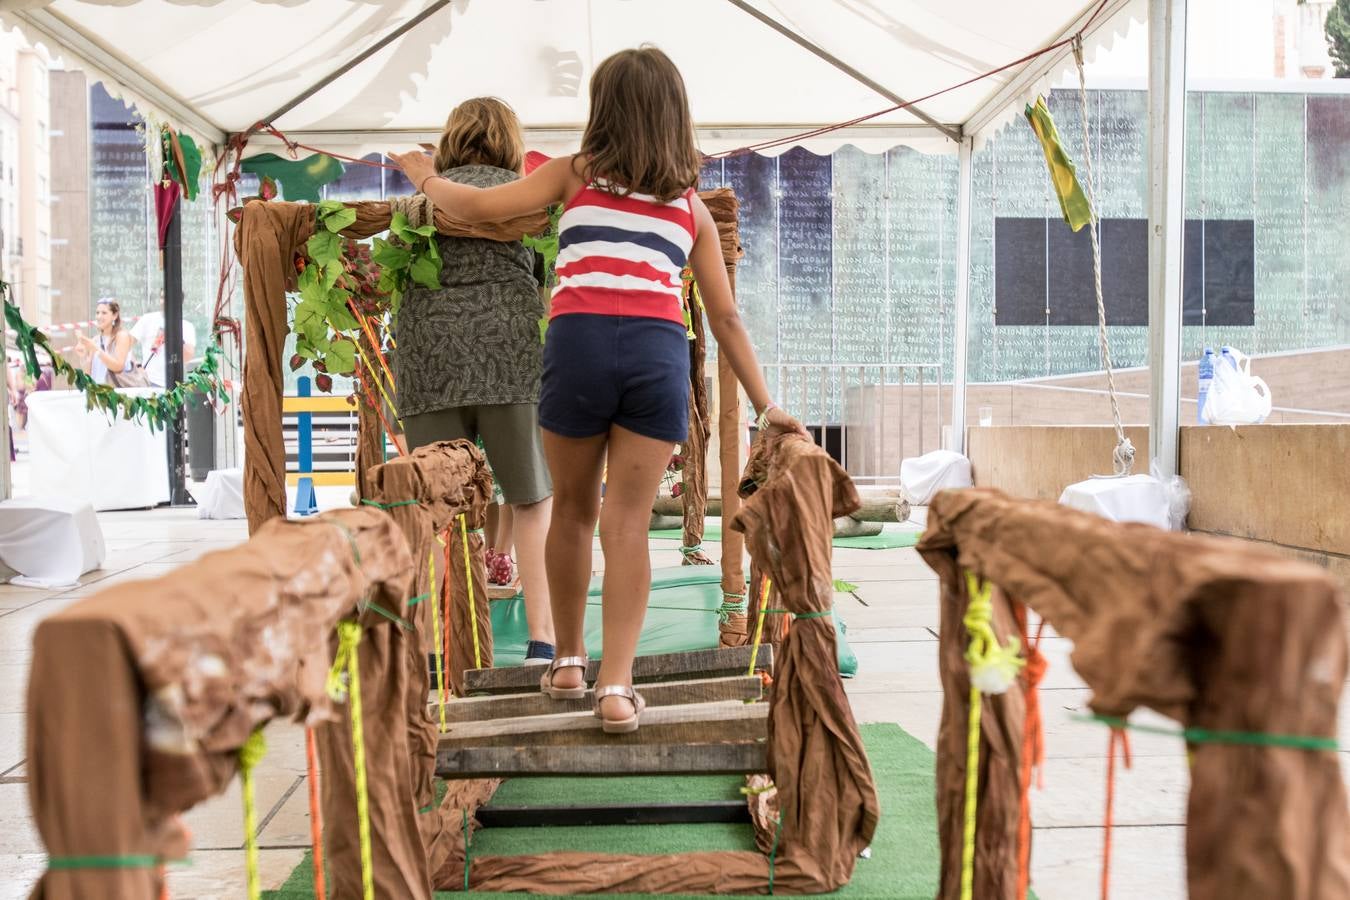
pixel 544 186
pixel 732 339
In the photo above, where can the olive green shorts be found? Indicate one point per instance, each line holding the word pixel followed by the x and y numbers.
pixel 510 436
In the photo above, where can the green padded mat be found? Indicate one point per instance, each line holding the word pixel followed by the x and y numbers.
pixel 893 536
pixel 681 616
pixel 904 863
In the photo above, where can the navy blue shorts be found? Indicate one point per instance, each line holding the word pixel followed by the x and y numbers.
pixel 629 371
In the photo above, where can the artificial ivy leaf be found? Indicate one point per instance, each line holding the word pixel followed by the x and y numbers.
pixel 389 256
pixel 434 252
pixel 543 328
pixel 311 321
pixel 844 587
pixel 340 219
pixel 426 272
pixel 312 288
pixel 325 247
pixel 341 319
pixel 424 231
pixel 341 359
pixel 331 273
pixel 303 348
pixel 398 226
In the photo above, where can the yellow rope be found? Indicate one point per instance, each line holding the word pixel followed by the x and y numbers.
pixel 344 680
pixel 993 667
pixel 379 383
pixel 759 628
pixel 249 756
pixel 473 607
pixel 436 633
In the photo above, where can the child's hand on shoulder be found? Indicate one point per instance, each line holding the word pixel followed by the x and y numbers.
pixel 416 166
pixel 780 420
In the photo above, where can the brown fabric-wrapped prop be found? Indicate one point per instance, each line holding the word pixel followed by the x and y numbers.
pixel 443 479
pixel 1216 635
pixel 266 241
pixel 164 680
pixel 466 595
pixel 725 209
pixel 825 791
pixel 694 477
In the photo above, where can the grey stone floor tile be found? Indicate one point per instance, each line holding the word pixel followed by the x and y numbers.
pixel 1147 863
pixel 219 874
pixel 19 834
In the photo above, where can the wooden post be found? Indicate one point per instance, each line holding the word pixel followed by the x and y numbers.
pixel 730 428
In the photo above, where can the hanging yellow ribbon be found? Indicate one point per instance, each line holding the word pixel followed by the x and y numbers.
pixel 249 756
pixel 993 668
pixel 436 633
pixel 344 681
pixel 379 383
pixel 473 607
pixel 759 628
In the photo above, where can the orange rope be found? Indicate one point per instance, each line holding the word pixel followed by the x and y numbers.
pixel 315 813
pixel 370 336
pixel 1118 737
pixel 379 410
pixel 1033 744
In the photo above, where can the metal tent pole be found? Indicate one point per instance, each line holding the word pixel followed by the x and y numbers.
pixel 961 333
pixel 1166 224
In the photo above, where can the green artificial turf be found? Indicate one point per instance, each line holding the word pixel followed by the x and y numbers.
pixel 903 865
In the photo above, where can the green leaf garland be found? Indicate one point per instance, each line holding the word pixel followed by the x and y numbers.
pixel 156 411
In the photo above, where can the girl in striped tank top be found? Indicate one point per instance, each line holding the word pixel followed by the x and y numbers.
pixel 616 360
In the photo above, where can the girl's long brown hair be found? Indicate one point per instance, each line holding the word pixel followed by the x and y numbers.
pixel 483 131
pixel 640 136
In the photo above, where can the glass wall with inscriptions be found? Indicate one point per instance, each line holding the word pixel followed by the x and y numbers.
pixel 124 256
pixel 1266 184
pixel 846 288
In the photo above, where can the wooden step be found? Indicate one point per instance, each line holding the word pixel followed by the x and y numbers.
pixel 601 759
pixel 695 723
pixel 723 662
pixel 674 693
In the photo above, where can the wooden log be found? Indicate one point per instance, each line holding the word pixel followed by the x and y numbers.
pixel 601 759
pixel 703 690
pixel 721 663
pixel 698 723
pixel 874 508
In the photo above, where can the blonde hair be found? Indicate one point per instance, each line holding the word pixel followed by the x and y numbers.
pixel 640 134
pixel 483 131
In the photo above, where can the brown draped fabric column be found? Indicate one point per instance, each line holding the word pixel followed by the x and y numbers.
pixel 1216 635
pixel 724 207
pixel 166 679
pixel 267 239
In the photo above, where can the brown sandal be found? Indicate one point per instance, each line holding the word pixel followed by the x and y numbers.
pixel 620 726
pixel 557 693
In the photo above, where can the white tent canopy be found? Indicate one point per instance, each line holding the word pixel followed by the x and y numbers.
pixel 755 69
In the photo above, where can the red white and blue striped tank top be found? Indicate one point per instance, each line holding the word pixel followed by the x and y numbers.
pixel 622 256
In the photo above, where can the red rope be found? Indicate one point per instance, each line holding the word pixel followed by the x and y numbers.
pixel 1118 737
pixel 315 813
pixel 379 410
pixel 292 146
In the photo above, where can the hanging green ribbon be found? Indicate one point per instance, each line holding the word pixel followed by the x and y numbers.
pixel 389 506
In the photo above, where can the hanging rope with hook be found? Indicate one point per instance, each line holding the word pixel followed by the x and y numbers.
pixel 1123 457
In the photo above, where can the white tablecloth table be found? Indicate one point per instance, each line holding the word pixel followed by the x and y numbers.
pixel 923 476
pixel 50 541
pixel 1136 498
pixel 79 454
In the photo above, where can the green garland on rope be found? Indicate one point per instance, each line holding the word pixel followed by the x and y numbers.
pixel 155 411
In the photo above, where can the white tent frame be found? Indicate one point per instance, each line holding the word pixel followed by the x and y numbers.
pixel 1167 39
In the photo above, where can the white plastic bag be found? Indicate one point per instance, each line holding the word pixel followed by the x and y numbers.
pixel 1236 396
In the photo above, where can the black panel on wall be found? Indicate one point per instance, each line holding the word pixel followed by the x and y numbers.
pixel 1223 278
pixel 1019 271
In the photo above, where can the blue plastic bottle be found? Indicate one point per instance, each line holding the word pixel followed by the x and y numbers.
pixel 1205 370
